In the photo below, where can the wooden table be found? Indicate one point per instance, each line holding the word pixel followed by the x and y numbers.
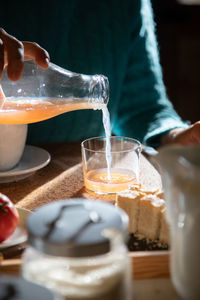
pixel 63 179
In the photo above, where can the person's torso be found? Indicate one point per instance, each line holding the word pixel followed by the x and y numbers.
pixel 89 37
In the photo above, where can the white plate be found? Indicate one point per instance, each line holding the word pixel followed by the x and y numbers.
pixel 20 234
pixel 33 159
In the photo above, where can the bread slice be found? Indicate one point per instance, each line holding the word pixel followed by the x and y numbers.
pixel 164 228
pixel 146 191
pixel 129 201
pixel 146 211
pixel 150 216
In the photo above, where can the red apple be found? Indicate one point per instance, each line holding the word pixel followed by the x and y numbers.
pixel 9 217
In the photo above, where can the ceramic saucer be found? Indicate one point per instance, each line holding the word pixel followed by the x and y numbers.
pixel 33 159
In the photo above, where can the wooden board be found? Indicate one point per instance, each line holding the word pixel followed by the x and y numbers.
pixel 150 264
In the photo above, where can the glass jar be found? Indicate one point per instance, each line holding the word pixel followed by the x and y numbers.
pixel 180 166
pixel 84 256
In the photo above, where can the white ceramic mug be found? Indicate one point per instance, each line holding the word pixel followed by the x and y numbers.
pixel 12 143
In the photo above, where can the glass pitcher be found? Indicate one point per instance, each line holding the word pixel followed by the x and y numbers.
pixel 180 170
pixel 42 94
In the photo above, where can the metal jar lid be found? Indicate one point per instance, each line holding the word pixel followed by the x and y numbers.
pixel 16 288
pixel 73 228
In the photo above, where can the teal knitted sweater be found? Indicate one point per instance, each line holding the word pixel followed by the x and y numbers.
pixel 111 37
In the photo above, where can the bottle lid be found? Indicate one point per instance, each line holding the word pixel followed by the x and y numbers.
pixel 12 287
pixel 74 228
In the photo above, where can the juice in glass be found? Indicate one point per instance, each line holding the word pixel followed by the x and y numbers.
pixel 123 164
pixel 97 180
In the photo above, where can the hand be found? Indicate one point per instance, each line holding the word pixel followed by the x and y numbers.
pixel 187 136
pixel 13 53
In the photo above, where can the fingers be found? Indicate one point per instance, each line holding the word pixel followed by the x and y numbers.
pixel 1 58
pixel 195 132
pixel 189 136
pixel 15 55
pixel 34 51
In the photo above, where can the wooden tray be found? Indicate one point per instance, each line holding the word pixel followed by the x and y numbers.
pixel 63 179
pixel 150 264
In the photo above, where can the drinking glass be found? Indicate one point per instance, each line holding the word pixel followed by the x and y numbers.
pixel 123 163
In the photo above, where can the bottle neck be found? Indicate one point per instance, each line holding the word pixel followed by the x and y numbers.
pixel 98 91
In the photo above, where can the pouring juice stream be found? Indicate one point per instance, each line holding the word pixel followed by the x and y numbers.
pixel 117 176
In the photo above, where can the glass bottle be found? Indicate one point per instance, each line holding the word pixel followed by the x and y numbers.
pixel 42 94
pixel 76 249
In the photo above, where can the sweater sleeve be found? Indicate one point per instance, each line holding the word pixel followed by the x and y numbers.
pixel 144 111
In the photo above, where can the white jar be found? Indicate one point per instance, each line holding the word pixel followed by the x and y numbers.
pixel 76 257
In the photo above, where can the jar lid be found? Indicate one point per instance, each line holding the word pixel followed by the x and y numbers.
pixel 12 287
pixel 74 228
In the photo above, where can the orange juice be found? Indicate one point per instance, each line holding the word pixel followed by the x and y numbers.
pixel 31 110
pixel 97 180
